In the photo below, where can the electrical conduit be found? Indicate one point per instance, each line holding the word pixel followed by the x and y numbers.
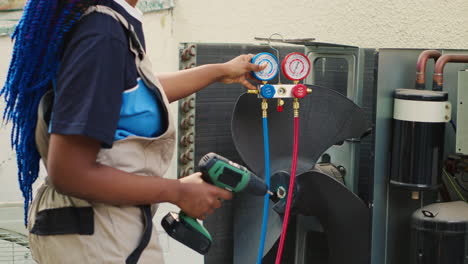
pixel 291 182
pixel 266 201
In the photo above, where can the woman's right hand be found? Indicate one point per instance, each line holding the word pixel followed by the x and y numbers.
pixel 198 198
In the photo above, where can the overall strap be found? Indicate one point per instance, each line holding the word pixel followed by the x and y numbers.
pixel 142 61
pixel 144 69
pixel 145 238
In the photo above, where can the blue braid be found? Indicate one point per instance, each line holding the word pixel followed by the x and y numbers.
pixel 38 44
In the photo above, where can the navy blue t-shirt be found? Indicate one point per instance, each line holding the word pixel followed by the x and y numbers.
pixel 96 67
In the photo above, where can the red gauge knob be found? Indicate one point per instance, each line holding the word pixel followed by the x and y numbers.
pixel 299 91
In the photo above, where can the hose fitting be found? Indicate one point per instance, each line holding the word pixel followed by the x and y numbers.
pixel 264 108
pixel 296 107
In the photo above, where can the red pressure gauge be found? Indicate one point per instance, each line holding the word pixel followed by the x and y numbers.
pixel 295 66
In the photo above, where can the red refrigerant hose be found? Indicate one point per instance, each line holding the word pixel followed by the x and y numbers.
pixel 291 187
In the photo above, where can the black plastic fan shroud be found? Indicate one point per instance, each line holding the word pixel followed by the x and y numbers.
pixel 326 118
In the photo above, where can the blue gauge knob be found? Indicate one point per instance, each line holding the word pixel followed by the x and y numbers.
pixel 267 91
pixel 271 69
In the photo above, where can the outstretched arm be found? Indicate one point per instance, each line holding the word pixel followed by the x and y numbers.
pixel 180 84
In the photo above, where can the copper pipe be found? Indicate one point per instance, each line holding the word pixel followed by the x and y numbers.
pixel 421 66
pixel 438 77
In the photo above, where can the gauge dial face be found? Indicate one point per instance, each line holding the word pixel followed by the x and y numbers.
pixel 271 69
pixel 296 66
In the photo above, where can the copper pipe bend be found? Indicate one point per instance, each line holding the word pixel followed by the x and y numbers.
pixel 421 66
pixel 438 77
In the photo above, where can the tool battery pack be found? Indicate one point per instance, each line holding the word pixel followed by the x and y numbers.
pixel 186 232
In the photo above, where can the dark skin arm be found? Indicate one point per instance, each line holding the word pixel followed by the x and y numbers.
pixel 74 171
pixel 180 84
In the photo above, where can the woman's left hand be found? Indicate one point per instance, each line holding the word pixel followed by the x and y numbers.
pixel 238 70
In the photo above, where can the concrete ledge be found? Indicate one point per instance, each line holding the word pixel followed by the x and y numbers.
pixel 11 217
pixel 9 19
pixel 155 5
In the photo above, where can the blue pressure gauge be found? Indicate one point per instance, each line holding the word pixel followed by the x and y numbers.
pixel 271 69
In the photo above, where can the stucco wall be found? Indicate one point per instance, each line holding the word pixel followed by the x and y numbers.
pixel 8 182
pixel 376 23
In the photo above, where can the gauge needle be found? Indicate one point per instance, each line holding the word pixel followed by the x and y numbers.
pixel 297 65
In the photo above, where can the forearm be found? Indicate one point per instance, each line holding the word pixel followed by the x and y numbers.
pixel 102 183
pixel 180 84
pixel 73 169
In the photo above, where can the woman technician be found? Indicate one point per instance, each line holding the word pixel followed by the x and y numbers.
pixel 82 64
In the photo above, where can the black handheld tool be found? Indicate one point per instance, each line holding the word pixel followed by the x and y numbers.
pixel 222 173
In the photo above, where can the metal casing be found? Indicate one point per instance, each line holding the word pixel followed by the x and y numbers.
pixel 462 116
pixel 418 138
pixel 439 234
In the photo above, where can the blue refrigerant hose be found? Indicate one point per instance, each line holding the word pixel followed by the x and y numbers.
pixel 266 202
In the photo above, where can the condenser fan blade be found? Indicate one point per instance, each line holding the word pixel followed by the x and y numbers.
pixel 326 118
pixel 343 215
pixel 248 212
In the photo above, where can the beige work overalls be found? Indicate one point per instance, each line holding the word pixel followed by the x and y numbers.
pixel 65 229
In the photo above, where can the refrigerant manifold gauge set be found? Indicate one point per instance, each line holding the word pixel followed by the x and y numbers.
pixel 295 66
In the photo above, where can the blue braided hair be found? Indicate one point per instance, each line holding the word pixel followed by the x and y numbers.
pixel 38 41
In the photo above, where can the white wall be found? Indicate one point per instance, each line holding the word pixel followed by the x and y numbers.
pixel 376 23
pixel 9 190
pixel 364 23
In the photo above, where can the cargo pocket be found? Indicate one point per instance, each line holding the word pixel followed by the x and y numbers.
pixel 64 221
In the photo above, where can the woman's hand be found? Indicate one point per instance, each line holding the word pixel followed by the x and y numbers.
pixel 198 198
pixel 180 84
pixel 238 70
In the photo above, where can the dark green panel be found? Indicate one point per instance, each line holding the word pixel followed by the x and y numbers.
pixel 213 112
